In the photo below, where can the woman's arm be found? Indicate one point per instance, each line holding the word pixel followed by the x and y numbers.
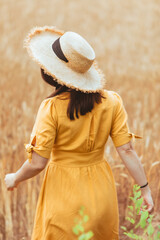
pixel 135 168
pixel 132 163
pixel 28 170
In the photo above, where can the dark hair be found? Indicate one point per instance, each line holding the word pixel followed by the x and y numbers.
pixel 80 102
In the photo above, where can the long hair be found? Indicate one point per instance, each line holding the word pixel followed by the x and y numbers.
pixel 80 102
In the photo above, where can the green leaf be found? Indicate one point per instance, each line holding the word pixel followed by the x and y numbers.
pixel 75 230
pixel 144 207
pixel 124 228
pixel 158 235
pixel 89 234
pixel 137 187
pixel 150 229
pixel 86 236
pixel 138 205
pixel 85 218
pixel 143 218
pixel 139 202
pixel 135 236
pixel 130 207
pixel 131 235
pixel 81 210
pixel 131 198
pixel 130 220
pixel 78 228
pixel 81 228
pixel 138 194
pixel 131 214
pixel 82 237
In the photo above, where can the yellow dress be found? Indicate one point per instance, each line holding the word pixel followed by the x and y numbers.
pixel 77 174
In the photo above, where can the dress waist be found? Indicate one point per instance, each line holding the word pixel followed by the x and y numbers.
pixel 76 159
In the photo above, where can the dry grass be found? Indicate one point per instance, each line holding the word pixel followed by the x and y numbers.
pixel 126 39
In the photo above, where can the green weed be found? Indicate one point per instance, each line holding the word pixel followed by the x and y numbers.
pixel 145 221
pixel 78 229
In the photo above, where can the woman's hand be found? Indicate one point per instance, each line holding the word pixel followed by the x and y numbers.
pixel 147 199
pixel 27 170
pixel 10 180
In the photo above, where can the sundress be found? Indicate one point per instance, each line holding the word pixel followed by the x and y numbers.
pixel 77 173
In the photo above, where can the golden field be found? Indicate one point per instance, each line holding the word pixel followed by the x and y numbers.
pixel 126 39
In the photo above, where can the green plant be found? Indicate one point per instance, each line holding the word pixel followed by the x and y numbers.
pixel 145 221
pixel 78 229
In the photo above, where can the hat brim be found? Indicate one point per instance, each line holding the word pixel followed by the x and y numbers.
pixel 39 46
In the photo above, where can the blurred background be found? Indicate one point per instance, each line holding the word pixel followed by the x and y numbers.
pixel 126 38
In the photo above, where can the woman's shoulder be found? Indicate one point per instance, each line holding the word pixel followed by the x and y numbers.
pixel 47 102
pixel 47 106
pixel 55 105
pixel 112 96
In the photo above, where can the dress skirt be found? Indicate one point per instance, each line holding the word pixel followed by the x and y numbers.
pixel 64 190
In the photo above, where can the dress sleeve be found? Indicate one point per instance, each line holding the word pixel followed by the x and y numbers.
pixel 120 132
pixel 44 130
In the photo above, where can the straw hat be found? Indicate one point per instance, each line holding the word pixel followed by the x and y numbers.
pixel 66 56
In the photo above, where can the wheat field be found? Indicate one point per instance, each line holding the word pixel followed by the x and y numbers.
pixel 126 39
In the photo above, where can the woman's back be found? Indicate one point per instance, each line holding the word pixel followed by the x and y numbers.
pixel 69 139
pixel 87 133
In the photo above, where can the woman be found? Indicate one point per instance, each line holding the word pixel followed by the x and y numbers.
pixel 73 125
